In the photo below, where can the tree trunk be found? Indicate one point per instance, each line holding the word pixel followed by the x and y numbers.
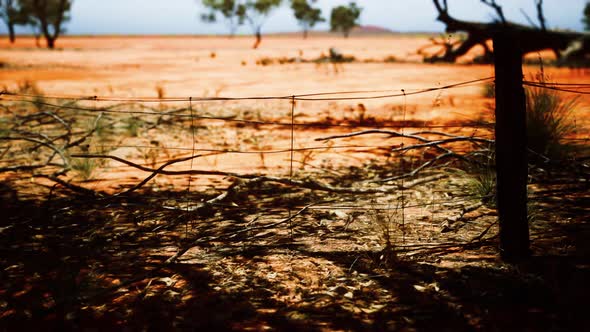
pixel 50 42
pixel 511 147
pixel 11 34
pixel 258 39
pixel 305 33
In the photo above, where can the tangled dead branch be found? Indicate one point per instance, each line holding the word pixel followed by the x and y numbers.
pixel 426 143
pixel 569 47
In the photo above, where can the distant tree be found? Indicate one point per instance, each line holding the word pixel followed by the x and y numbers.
pixel 344 18
pixel 12 14
pixel 49 16
pixel 306 15
pixel 237 12
pixel 232 11
pixel 586 18
pixel 256 13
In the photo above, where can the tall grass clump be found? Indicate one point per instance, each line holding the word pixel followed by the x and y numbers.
pixel 84 167
pixel 388 224
pixel 4 127
pixel 549 121
pixel 489 90
pixel 483 186
pixel 133 126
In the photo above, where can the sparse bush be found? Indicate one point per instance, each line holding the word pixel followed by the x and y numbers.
pixel 102 130
pixel 28 87
pixel 84 167
pixel 387 224
pixel 133 125
pixel 549 121
pixel 150 156
pixel 160 91
pixel 390 59
pixel 489 90
pixel 4 127
pixel 483 185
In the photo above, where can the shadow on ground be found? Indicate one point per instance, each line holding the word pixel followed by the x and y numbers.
pixel 71 263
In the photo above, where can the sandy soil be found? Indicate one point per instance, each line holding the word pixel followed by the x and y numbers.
pixel 213 66
pixel 137 67
pixel 185 66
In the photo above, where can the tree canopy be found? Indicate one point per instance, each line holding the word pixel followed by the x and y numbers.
pixel 306 15
pixel 12 14
pixel 234 12
pixel 237 12
pixel 344 18
pixel 49 15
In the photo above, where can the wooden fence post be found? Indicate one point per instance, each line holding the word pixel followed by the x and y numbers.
pixel 511 147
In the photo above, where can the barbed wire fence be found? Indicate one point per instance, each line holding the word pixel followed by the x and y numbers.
pixel 67 140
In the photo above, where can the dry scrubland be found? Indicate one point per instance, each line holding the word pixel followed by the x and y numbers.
pixel 417 253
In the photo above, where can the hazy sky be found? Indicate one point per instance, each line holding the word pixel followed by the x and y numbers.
pixel 182 16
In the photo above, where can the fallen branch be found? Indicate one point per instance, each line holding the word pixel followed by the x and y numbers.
pixel 426 143
pixel 234 234
pixel 390 133
pixel 156 172
pixel 307 184
pixel 88 134
pixel 480 236
pixel 17 168
pixel 70 186
pixel 418 169
pixel 39 142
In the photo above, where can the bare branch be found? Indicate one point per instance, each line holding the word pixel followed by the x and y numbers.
pixel 532 38
pixel 68 185
pixel 161 170
pixel 234 234
pixel 420 168
pixel 442 9
pixel 436 144
pixel 541 15
pixel 497 8
pixel 17 168
pixel 307 183
pixel 528 18
pixel 88 134
pixel 390 133
pixel 39 142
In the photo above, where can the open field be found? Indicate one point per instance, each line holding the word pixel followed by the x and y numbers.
pixel 176 196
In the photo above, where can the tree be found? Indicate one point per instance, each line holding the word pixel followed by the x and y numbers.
pixel 12 14
pixel 306 15
pixel 566 45
pixel 254 12
pixel 586 18
pixel 49 15
pixel 344 18
pixel 232 11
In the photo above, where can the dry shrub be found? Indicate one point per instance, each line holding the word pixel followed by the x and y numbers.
pixel 549 121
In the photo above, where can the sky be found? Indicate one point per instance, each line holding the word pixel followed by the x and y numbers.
pixel 183 16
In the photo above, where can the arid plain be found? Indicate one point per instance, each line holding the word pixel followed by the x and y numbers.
pixel 149 184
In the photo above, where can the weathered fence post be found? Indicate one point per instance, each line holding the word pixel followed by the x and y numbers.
pixel 511 147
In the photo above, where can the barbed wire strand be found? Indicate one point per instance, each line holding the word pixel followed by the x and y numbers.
pixel 288 97
pixel 303 97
